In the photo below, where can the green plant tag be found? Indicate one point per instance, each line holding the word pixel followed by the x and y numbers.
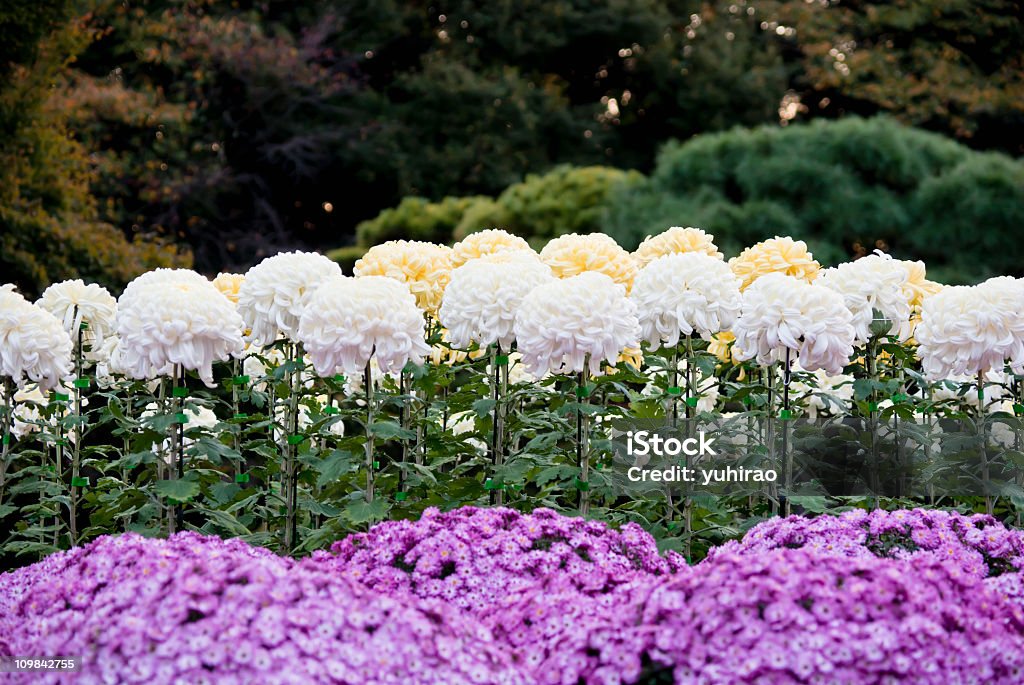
pixel 501 360
pixel 240 416
pixel 674 390
pixel 181 418
pixel 6 440
pixel 582 485
pixel 339 378
pixel 295 439
pixel 691 401
pixel 84 326
pixel 81 382
pixel 80 482
pixel 872 406
pixel 400 496
pixel 241 477
pixel 491 485
pixel 583 391
pixel 376 464
pixel 1018 409
pixel 61 442
pixel 240 380
pixel 899 397
pixel 786 414
pixel 330 409
pixel 60 397
pixel 179 392
pixel 748 400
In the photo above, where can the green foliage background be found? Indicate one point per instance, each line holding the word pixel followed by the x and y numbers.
pixel 164 131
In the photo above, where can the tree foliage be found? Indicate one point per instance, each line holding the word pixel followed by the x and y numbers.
pixel 49 226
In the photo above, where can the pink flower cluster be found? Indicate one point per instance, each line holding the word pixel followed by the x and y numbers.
pixel 976 544
pixel 473 558
pixel 191 610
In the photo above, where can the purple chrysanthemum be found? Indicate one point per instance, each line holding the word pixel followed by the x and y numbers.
pixel 474 557
pixel 194 609
pixel 976 544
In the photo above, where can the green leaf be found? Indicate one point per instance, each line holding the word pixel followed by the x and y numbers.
pixel 363 511
pixel 333 467
pixel 388 430
pixel 483 407
pixel 179 490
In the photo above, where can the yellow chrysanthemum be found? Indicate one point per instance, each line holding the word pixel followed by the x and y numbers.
pixel 425 267
pixel 229 284
pixel 572 254
pixel 675 240
pixel 633 356
pixel 720 346
pixel 917 287
pixel 443 354
pixel 775 255
pixel 490 241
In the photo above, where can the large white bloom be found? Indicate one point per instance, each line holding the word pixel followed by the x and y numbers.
pixel 131 292
pixel 34 347
pixel 966 330
pixel 563 321
pixel 184 322
pixel 275 292
pixel 876 282
pixel 350 320
pixel 685 293
pixel 74 302
pixel 481 301
pixel 781 312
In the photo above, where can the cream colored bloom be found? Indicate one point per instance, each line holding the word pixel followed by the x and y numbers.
pixel 34 347
pixel 782 312
pixel 720 345
pixel 275 292
pixel 75 303
pixel 775 255
pixel 481 302
pixel 685 294
pixel 916 287
pixel 185 322
pixel 573 254
pixel 229 284
pixel 873 283
pixel 487 242
pixel 424 267
pixel 350 320
pixel 674 241
pixel 966 330
pixel 562 322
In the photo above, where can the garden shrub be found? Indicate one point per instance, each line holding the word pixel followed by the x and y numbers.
pixel 846 187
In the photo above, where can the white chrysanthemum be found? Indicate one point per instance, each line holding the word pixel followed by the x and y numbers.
pixel 573 254
pixel 424 267
pixel 821 392
pixel 74 302
pixel 158 277
pixel 561 322
pixel 676 240
pixel 482 299
pixel 781 312
pixel 34 347
pixel 487 242
pixel 876 282
pixel 185 322
pixel 685 293
pixel 966 330
pixel 350 320
pixel 274 293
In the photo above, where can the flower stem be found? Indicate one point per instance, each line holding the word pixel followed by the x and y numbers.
pixel 985 476
pixel 368 388
pixel 582 435
pixel 787 378
pixel 76 454
pixel 8 388
pixel 179 441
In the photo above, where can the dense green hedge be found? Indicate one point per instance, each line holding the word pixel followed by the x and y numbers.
pixel 846 187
